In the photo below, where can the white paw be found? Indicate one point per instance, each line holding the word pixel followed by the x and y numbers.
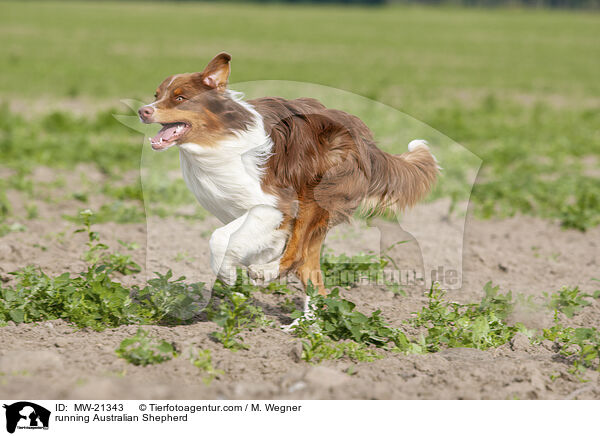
pixel 309 315
pixel 290 327
pixel 261 274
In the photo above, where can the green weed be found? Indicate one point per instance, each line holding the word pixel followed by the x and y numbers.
pixel 501 305
pixel 129 245
pixel 513 179
pixel 88 300
pixel 347 271
pixel 97 251
pixel 287 306
pixel 117 212
pixel 93 299
pixel 132 191
pixel 446 325
pixel 202 360
pixel 64 140
pixel 5 229
pixel 32 211
pixel 81 196
pixel 5 208
pixel 5 212
pixel 569 301
pixel 581 346
pixel 144 349
pixel 583 213
pixel 234 313
pixel 316 347
pixel 183 256
pixel 276 288
pixel 170 301
pixel 337 319
pixel 335 323
pixel 450 324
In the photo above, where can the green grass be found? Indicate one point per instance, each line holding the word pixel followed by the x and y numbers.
pixel 516 87
pixel 403 56
pixel 62 139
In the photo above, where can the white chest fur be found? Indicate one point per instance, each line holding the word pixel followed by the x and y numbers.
pixel 226 177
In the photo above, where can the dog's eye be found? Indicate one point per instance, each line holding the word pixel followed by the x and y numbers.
pixel 179 98
pixel 155 95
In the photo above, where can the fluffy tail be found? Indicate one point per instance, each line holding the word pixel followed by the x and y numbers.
pixel 400 181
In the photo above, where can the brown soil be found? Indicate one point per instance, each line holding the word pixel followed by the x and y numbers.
pixel 53 360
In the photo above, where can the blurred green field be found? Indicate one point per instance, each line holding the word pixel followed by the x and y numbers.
pixel 518 88
pixel 408 57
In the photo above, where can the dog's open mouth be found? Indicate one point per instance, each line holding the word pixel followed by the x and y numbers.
pixel 168 135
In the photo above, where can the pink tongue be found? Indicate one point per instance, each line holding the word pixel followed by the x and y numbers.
pixel 166 133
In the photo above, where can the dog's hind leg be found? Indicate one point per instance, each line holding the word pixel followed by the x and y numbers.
pixel 302 253
pixel 310 272
pixel 310 269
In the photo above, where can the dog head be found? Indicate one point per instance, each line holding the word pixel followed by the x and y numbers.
pixel 195 107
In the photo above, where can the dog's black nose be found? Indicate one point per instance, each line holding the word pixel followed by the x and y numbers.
pixel 146 112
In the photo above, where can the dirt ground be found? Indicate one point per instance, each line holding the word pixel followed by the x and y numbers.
pixel 53 360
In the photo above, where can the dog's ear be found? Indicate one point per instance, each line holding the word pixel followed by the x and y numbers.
pixel 217 71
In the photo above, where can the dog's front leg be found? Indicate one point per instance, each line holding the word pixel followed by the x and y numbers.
pixel 253 238
pixel 222 257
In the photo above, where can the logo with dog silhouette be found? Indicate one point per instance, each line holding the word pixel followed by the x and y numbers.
pixel 26 415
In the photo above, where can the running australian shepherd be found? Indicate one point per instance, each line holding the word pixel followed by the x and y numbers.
pixel 278 173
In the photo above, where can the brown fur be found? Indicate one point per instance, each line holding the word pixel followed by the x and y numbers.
pixel 324 162
pixel 198 100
